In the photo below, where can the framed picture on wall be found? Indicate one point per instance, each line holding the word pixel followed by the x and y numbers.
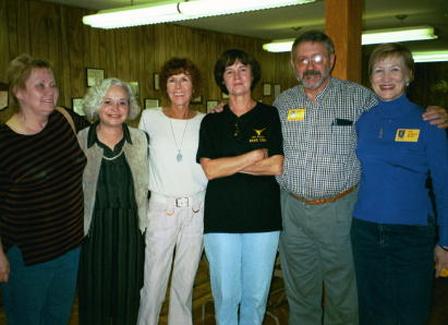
pixel 156 81
pixel 211 104
pixel 135 89
pixel 77 103
pixel 266 89
pixel 3 99
pixel 151 103
pixel 277 90
pixel 197 100
pixel 3 96
pixel 94 76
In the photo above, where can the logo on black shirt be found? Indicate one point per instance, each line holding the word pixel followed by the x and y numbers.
pixel 258 137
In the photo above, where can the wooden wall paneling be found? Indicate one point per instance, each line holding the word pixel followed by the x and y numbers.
pixel 108 45
pixel 75 40
pixel 105 52
pixel 4 40
pixel 141 71
pixel 24 30
pixel 55 40
pixel 172 41
pixel 284 72
pixel 186 38
pixel 4 46
pixel 158 50
pixel 199 50
pixel 39 40
pixel 63 79
pixel 135 50
pixel 267 74
pixel 92 46
pixel 148 69
pixel 53 35
pixel 210 50
pixel 18 27
pixel 122 52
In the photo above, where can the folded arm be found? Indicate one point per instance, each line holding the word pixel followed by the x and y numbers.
pixel 271 166
pixel 226 166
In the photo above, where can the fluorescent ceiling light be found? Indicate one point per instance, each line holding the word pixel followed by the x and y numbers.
pixel 278 46
pixel 403 34
pixel 378 36
pixel 172 11
pixel 430 56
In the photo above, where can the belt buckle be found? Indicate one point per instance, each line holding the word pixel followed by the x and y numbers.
pixel 182 202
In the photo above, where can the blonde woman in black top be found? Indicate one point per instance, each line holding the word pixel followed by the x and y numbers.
pixel 41 202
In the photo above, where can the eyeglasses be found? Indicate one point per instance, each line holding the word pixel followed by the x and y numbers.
pixel 315 59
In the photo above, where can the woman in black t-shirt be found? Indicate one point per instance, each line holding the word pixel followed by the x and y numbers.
pixel 240 151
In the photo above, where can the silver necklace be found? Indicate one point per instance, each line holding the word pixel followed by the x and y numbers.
pixel 179 147
pixel 114 157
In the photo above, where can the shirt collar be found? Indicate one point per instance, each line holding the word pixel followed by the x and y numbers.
pixel 394 107
pixel 92 137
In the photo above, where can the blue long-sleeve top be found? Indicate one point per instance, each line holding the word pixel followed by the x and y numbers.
pixel 398 151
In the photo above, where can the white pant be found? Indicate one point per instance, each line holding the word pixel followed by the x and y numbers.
pixel 174 224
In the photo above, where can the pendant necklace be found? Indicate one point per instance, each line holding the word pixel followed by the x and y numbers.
pixel 179 147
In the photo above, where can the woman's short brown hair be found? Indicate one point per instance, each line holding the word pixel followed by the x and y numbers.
pixel 228 58
pixel 392 50
pixel 18 72
pixel 180 65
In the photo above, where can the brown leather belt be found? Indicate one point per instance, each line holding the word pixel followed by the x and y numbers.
pixel 324 200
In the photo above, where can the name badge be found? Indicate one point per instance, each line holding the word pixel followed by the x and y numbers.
pixel 296 114
pixel 407 135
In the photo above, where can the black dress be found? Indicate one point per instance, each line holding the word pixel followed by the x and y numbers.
pixel 112 255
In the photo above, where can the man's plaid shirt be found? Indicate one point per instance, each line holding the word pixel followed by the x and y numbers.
pixel 320 149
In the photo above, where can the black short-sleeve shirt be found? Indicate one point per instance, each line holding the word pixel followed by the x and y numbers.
pixel 241 203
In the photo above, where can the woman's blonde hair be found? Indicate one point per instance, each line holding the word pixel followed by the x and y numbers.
pixel 388 50
pixel 18 72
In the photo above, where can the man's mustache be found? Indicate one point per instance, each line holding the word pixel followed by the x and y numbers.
pixel 311 73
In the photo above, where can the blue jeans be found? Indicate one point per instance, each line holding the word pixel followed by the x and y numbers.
pixel 241 268
pixel 394 272
pixel 43 293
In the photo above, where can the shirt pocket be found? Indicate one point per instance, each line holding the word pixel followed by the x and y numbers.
pixel 343 139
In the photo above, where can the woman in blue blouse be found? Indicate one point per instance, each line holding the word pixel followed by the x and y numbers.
pixel 393 232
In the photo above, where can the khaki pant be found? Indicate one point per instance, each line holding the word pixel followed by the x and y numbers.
pixel 175 225
pixel 316 257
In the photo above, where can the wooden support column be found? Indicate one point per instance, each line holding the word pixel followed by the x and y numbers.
pixel 343 23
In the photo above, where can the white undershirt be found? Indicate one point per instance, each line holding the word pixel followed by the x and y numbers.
pixel 167 175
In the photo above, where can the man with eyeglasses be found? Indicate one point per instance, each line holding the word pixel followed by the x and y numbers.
pixel 321 172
